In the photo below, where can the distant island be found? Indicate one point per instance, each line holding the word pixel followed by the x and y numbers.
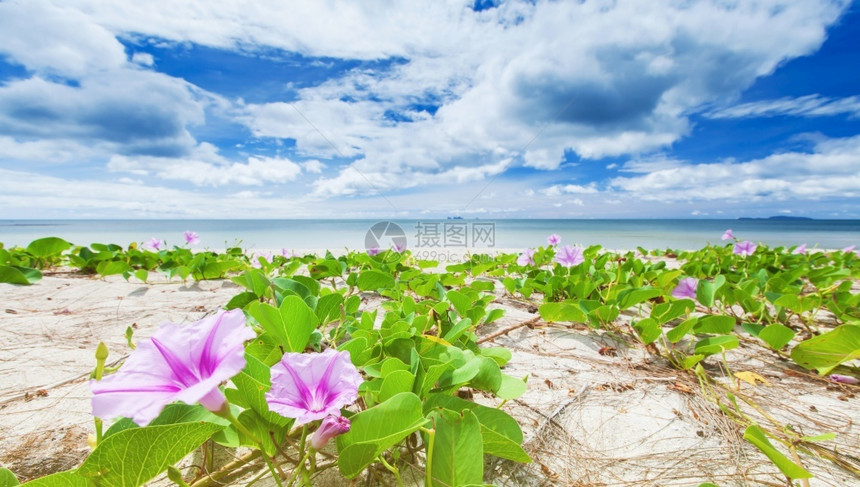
pixel 779 217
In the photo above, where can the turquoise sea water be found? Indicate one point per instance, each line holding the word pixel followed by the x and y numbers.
pixel 429 234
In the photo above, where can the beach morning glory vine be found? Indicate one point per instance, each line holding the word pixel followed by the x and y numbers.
pixel 526 258
pixel 311 386
pixel 569 256
pixel 179 363
pixel 191 238
pixel 686 288
pixel 744 248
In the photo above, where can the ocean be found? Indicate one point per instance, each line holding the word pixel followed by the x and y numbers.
pixel 437 234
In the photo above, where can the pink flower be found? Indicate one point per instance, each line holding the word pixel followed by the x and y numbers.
pixel 311 386
pixel 728 235
pixel 256 259
pixel 373 251
pixel 399 247
pixel 154 244
pixel 844 379
pixel 569 256
pixel 330 427
pixel 686 288
pixel 526 258
pixel 801 249
pixel 191 238
pixel 850 249
pixel 554 239
pixel 179 363
pixel 744 248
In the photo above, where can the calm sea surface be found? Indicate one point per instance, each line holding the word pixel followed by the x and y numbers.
pixel 428 234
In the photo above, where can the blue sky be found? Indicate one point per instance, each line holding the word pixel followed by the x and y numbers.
pixel 512 109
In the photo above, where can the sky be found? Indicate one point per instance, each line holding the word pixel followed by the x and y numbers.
pixel 426 109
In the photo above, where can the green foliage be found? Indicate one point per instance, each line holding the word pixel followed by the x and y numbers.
pixel 757 437
pixel 7 478
pixel 377 429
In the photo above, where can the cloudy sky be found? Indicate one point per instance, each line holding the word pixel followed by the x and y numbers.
pixel 326 109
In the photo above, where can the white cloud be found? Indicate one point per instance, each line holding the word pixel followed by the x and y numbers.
pixel 831 170
pixel 313 166
pixel 559 189
pixel 143 58
pixel 56 39
pixel 207 168
pixel 803 106
pixel 520 84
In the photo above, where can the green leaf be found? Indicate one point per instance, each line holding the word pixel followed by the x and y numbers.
pixel 457 330
pixel 756 436
pixel 712 345
pixel 328 307
pixel 511 387
pixel 69 478
pixel 631 297
pixel 374 430
pixel 7 478
pixel 49 246
pixel 241 300
pixel 252 383
pixel 826 351
pixel 648 330
pixel 676 334
pixel 292 323
pixel 19 275
pixel 776 335
pixel 461 302
pixel 458 457
pixel 553 312
pixel 394 383
pixel 132 457
pixel 716 324
pixel 141 274
pixel 500 432
pixel 665 312
pixel 372 280
pixel 111 267
pixel 707 290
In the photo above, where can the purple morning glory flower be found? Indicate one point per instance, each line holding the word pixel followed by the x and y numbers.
pixel 686 288
pixel 569 256
pixel 256 256
pixel 179 363
pixel 554 239
pixel 399 248
pixel 154 244
pixel 373 251
pixel 311 386
pixel 526 258
pixel 844 379
pixel 801 249
pixel 850 249
pixel 191 238
pixel 330 427
pixel 744 248
pixel 728 235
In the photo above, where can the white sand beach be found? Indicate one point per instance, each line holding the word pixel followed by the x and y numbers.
pixel 597 411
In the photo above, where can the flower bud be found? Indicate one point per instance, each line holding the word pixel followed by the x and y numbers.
pixel 331 426
pixel 844 379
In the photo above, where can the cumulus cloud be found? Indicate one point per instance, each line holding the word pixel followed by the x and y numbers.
pixel 829 171
pixel 559 189
pixel 452 96
pixel 205 167
pixel 534 80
